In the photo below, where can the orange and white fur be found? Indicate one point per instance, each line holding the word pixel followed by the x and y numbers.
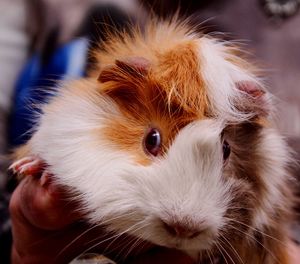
pixel 171 139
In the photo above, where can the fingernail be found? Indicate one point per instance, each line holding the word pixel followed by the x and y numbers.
pixel 12 168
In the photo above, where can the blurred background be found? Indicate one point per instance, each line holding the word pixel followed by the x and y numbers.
pixel 42 41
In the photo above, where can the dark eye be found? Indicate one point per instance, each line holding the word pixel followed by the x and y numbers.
pixel 152 141
pixel 226 150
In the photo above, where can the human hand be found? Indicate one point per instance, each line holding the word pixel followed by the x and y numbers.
pixel 46 227
pixel 43 223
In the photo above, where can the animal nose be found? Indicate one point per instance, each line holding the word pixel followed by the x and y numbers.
pixel 181 230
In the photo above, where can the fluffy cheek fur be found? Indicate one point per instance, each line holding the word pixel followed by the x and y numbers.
pixel 184 186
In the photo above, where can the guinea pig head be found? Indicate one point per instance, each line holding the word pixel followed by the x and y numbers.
pixel 181 189
pixel 170 141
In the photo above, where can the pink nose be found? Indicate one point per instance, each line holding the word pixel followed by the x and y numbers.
pixel 181 230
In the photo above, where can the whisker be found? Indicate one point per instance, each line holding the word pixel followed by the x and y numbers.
pixel 225 251
pixel 103 241
pixel 255 240
pixel 234 250
pixel 134 245
pixel 217 246
pixel 257 230
pixel 74 240
pixel 88 230
pixel 114 237
pixel 124 232
pixel 209 256
pixel 104 223
pixel 238 207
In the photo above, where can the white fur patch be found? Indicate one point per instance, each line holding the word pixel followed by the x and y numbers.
pixel 274 174
pixel 220 76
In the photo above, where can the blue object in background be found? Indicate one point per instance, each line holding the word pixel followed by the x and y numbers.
pixel 38 81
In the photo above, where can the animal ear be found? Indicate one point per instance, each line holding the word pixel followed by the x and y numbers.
pixel 125 69
pixel 124 82
pixel 254 98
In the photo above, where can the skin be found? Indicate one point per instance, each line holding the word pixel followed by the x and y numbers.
pixel 42 227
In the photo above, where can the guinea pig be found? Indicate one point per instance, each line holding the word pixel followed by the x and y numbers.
pixel 171 139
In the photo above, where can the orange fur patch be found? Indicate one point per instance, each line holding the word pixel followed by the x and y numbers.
pixel 168 96
pixel 155 78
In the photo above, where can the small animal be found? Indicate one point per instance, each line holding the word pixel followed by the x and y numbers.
pixel 171 139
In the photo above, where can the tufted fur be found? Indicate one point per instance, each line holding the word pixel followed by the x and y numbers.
pixel 198 92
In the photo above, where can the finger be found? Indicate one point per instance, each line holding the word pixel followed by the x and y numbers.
pixel 17 164
pixel 28 166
